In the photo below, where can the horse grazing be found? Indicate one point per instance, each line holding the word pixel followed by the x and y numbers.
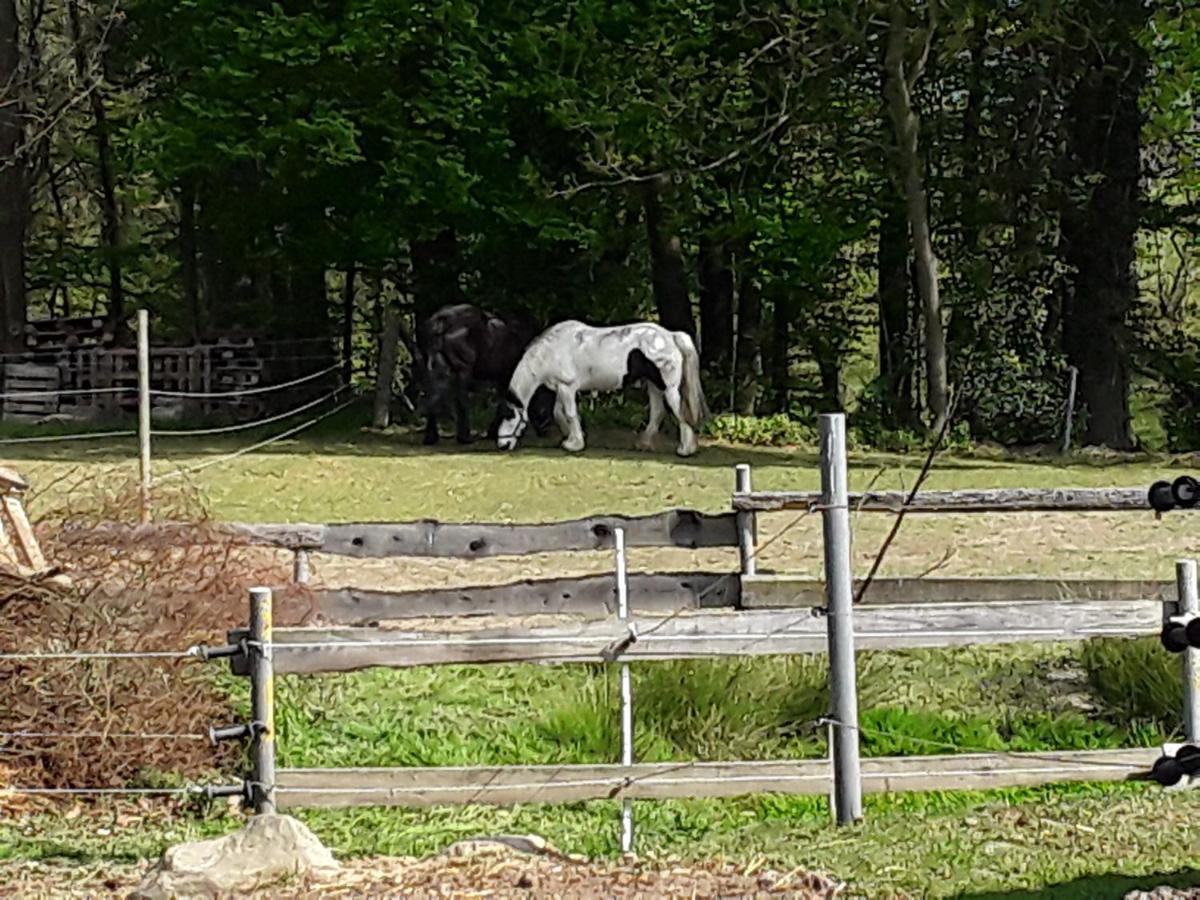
pixel 463 347
pixel 570 357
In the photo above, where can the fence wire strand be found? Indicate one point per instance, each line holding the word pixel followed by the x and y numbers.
pixel 1047 755
pixel 245 392
pixel 283 435
pixel 99 736
pixel 246 426
pixel 79 655
pixel 79 436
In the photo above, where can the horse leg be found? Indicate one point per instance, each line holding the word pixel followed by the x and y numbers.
pixel 657 411
pixel 687 436
pixel 462 413
pixel 431 429
pixel 570 414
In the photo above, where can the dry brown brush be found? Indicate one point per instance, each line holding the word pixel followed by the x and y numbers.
pixel 130 591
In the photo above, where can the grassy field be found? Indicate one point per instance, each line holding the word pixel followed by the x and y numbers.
pixel 1090 841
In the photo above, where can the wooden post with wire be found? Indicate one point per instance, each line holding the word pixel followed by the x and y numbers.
pixel 143 358
pixel 839 600
pixel 1189 604
pixel 262 700
pixel 747 524
pixel 626 688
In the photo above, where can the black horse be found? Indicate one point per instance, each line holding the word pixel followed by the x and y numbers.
pixel 462 348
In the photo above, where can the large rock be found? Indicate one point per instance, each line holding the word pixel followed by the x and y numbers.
pixel 268 848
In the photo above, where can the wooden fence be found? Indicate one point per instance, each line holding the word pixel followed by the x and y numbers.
pixel 677 615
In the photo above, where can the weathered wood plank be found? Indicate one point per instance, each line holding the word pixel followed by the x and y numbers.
pixel 674 528
pixel 994 500
pixel 508 785
pixel 769 591
pixel 290 537
pixel 704 634
pixel 589 595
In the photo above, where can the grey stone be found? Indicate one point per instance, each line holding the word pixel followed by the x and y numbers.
pixel 268 848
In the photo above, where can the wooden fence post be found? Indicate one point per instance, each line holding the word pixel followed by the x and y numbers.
pixel 626 689
pixel 143 360
pixel 301 567
pixel 1189 603
pixel 262 700
pixel 747 525
pixel 389 345
pixel 843 692
pixel 1066 441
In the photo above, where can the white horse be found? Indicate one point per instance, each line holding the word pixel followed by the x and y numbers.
pixel 571 357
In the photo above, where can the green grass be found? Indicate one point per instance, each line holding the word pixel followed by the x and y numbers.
pixel 1100 694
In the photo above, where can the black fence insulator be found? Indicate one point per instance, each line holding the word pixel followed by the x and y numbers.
pixel 245 790
pixel 237 732
pixel 226 652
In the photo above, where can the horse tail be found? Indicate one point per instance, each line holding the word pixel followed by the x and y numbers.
pixel 695 407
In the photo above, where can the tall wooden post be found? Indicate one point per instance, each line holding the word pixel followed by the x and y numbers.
pixel 262 700
pixel 389 342
pixel 143 357
pixel 839 600
pixel 1189 604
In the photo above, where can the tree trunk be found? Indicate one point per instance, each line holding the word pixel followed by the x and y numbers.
pixel 895 364
pixel 667 271
pixel 748 371
pixel 110 214
pixel 389 341
pixel 1098 232
pixel 716 306
pixel 348 323
pixel 14 191
pixel 901 78
pixel 777 366
pixel 189 272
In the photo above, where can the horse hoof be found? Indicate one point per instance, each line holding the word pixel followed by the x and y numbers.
pixel 429 440
pixel 572 447
pixel 464 439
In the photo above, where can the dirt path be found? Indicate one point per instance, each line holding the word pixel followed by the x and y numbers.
pixel 503 874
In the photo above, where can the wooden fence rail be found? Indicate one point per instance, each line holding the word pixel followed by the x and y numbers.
pixel 705 634
pixel 682 528
pixel 507 785
pixel 999 500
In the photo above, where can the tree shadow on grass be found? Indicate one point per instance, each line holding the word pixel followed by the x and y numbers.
pixel 1096 887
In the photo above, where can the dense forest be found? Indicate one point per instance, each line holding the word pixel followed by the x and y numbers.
pixel 919 211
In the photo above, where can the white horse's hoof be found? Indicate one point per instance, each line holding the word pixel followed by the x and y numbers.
pixel 646 442
pixel 689 450
pixel 572 446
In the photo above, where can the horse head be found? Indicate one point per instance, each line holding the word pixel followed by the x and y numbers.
pixel 513 421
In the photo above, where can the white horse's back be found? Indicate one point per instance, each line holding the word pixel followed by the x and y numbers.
pixel 572 356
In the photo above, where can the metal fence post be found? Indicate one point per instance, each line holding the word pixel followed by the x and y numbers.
pixel 839 598
pixel 143 359
pixel 747 525
pixel 1189 603
pixel 626 689
pixel 262 700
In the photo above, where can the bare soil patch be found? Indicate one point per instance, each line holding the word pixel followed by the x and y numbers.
pixel 505 874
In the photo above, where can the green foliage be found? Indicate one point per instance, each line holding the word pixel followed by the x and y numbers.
pixel 1137 680
pixel 779 430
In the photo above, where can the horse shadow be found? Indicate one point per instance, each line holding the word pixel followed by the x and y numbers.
pixel 1095 887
